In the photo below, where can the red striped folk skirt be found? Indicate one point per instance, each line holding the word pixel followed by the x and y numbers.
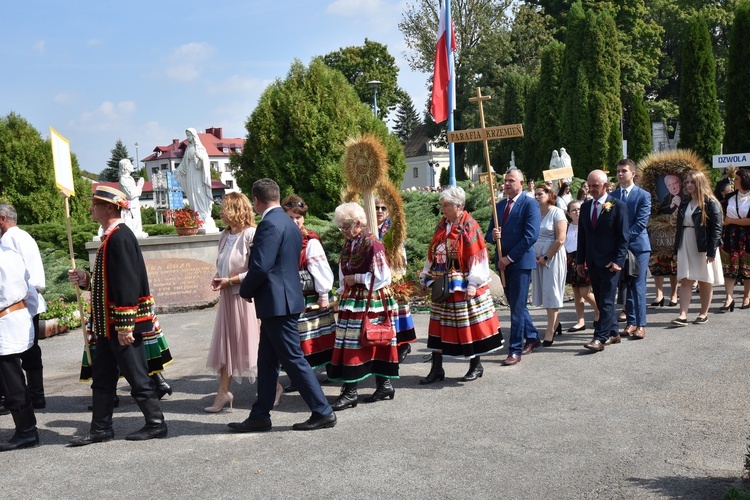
pixel 464 328
pixel 352 361
pixel 317 332
pixel 405 333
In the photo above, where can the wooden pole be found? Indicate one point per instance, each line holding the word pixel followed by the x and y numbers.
pixel 479 98
pixel 78 290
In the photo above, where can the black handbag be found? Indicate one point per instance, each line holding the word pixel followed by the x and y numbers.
pixel 306 281
pixel 441 288
pixel 631 269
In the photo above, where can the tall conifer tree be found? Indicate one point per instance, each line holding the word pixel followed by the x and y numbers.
pixel 737 135
pixel 700 123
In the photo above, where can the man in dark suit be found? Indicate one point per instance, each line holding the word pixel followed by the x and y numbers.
pixel 603 246
pixel 519 220
pixel 638 203
pixel 272 281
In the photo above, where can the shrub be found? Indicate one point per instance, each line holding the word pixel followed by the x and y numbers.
pixel 148 215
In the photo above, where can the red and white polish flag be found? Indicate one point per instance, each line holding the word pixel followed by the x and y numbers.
pixel 443 75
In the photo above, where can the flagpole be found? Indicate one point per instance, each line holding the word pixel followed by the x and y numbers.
pixel 451 91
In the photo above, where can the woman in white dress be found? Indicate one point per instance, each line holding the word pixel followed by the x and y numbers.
pixel 551 263
pixel 696 242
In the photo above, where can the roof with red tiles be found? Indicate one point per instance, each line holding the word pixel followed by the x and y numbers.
pixel 213 140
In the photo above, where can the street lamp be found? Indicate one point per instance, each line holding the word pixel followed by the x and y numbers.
pixel 136 156
pixel 374 84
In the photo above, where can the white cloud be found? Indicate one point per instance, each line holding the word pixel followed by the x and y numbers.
pixel 94 42
pixel 107 116
pixel 39 46
pixel 186 62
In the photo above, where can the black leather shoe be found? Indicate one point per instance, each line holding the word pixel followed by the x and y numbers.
pixel 93 437
pixel 290 388
pixel 315 422
pixel 475 371
pixel 251 425
pixel 384 391
pixel 347 399
pixel 162 387
pixel 21 440
pixel 574 329
pixel 149 431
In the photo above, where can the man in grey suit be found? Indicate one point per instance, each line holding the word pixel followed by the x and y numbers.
pixel 272 281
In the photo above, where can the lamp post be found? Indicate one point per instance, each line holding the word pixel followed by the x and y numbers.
pixel 374 84
pixel 136 157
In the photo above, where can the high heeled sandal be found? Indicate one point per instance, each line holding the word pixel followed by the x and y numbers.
pixel 220 403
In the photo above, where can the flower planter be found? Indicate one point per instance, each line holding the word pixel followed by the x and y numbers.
pixel 186 231
pixel 49 328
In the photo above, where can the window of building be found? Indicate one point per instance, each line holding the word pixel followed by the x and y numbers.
pixel 164 166
pixel 416 172
pixel 230 184
pixel 155 170
pixel 215 165
pixel 225 150
pixel 227 167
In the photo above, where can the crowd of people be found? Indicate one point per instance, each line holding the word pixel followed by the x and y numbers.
pixel 276 307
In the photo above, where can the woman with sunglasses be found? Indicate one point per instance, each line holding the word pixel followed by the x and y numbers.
pixel 464 325
pixel 364 276
pixel 405 333
pixel 317 327
pixel 581 284
pixel 696 242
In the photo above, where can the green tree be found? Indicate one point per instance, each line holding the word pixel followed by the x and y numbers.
pixel 700 123
pixel 514 111
pixel 112 172
pixel 298 132
pixel 27 176
pixel 407 119
pixel 737 125
pixel 639 130
pixel 590 90
pixel 366 63
pixel 546 128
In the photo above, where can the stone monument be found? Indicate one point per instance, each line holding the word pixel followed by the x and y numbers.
pixel 132 190
pixel 194 177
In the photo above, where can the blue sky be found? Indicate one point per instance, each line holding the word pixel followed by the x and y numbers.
pixel 144 71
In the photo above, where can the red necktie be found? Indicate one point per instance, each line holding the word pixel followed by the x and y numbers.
pixel 507 211
pixel 594 216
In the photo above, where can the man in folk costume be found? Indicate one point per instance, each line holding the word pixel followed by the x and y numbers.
pixel 122 310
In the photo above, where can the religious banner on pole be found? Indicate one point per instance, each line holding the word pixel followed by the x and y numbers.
pixel 62 162
pixel 64 181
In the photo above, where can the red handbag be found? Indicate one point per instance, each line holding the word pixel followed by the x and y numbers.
pixel 371 334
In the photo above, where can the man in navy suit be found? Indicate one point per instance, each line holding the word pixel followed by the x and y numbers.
pixel 603 246
pixel 272 281
pixel 519 220
pixel 638 203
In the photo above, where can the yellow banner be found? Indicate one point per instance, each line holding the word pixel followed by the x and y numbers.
pixel 62 161
pixel 558 173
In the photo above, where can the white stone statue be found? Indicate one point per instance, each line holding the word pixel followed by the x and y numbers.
pixel 194 177
pixel 554 162
pixel 565 158
pixel 132 190
pixel 512 160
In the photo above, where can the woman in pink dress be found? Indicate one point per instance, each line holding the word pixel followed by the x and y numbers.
pixel 234 346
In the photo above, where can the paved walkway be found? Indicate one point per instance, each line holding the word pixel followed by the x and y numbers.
pixel 666 417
